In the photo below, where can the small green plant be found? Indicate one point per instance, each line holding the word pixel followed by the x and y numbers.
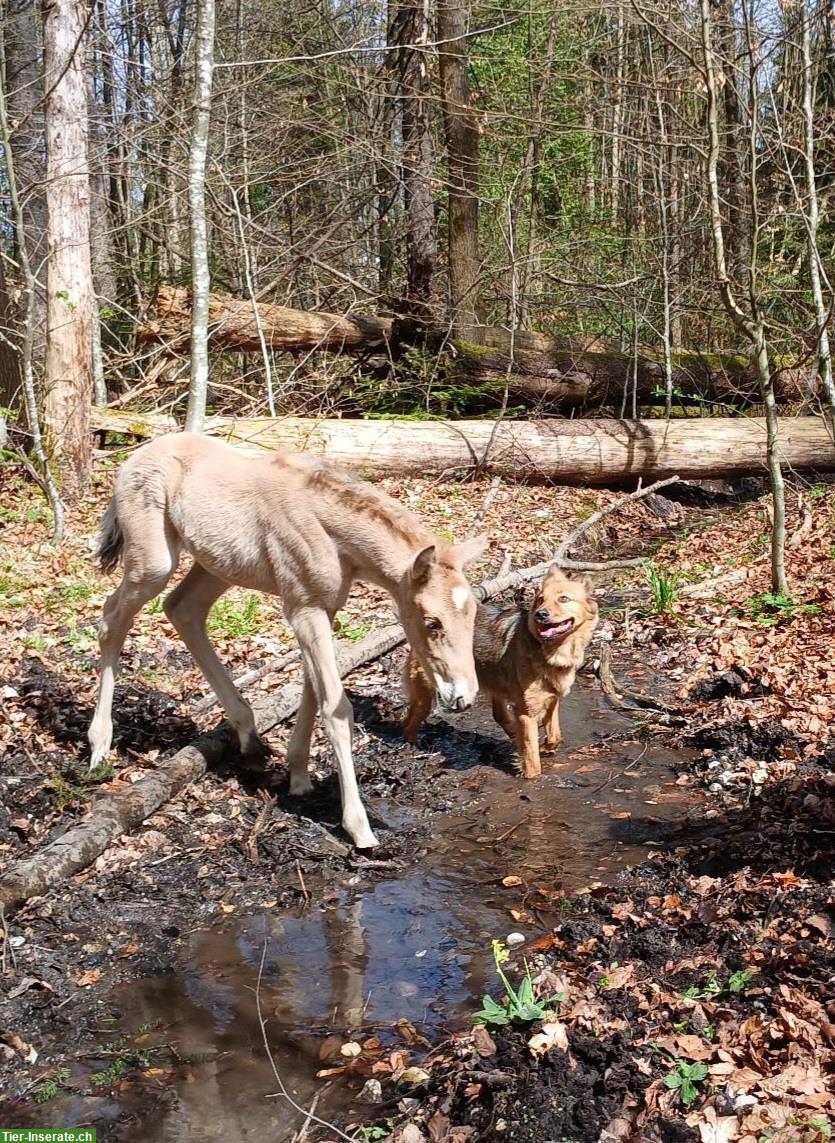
pixel 684 1079
pixel 738 981
pixel 770 607
pixel 66 794
pixel 663 586
pixel 711 987
pixel 373 1133
pixel 103 772
pixel 51 1085
pixel 237 618
pixel 111 1075
pixel 346 627
pixel 520 1005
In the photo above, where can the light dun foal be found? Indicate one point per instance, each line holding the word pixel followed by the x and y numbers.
pixel 299 529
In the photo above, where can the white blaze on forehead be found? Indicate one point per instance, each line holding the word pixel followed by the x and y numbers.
pixel 460 595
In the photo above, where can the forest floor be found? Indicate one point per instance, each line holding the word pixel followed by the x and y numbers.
pixel 681 907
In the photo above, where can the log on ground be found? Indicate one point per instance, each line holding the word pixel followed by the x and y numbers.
pixel 562 451
pixel 552 374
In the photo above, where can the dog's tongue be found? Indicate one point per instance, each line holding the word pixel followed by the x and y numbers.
pixel 553 632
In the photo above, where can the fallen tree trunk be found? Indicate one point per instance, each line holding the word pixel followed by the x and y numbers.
pixel 115 814
pixel 538 371
pixel 562 451
pixel 232 325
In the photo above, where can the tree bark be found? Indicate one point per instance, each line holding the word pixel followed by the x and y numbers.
pixel 203 69
pixel 749 323
pixel 24 94
pixel 564 451
pixel 462 143
pixel 69 364
pixel 410 34
pixel 544 373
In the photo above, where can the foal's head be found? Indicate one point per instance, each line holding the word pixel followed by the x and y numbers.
pixel 437 609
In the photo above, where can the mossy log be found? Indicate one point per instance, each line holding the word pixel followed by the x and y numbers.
pixel 564 451
pixel 548 374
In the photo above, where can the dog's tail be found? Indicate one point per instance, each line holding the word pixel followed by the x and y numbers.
pixel 110 540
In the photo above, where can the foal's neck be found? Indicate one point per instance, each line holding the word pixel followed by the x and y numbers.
pixel 380 535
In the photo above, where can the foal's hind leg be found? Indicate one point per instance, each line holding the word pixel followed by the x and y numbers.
pixel 298 748
pixel 313 631
pixel 187 607
pixel 137 587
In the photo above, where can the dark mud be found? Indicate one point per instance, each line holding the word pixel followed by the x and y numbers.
pixel 145 971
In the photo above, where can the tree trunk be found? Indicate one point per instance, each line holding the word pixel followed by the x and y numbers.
pixel 203 68
pixel 749 323
pixel 544 372
pixel 462 144
pixel 24 95
pixel 410 34
pixel 69 365
pixel 563 451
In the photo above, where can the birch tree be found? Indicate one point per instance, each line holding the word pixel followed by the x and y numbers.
pixel 68 366
pixel 203 69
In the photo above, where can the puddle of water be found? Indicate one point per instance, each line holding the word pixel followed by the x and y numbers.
pixel 414 946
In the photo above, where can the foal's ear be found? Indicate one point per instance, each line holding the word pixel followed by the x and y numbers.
pixel 470 549
pixel 424 563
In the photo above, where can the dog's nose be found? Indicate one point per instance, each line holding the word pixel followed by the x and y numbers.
pixel 462 704
pixel 542 615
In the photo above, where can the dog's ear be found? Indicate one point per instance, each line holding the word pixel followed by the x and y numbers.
pixel 588 586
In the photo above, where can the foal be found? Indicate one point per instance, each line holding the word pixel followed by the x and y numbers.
pixel 297 528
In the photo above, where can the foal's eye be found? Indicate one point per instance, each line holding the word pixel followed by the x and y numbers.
pixel 432 624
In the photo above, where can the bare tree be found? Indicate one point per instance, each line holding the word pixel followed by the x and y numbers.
pixel 410 34
pixel 27 340
pixel 68 368
pixel 462 144
pixel 200 282
pixel 749 321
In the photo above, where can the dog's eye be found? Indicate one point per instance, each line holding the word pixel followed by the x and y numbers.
pixel 432 624
pixel 565 599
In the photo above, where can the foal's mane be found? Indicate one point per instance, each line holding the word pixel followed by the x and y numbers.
pixel 363 499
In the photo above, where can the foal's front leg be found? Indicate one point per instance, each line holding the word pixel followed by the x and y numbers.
pixel 313 631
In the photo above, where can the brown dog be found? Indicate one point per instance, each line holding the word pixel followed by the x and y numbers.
pixel 526 662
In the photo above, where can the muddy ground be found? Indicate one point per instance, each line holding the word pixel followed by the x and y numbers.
pixel 670 874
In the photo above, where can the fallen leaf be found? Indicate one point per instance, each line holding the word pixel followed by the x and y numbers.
pixel 26 1051
pixel 485 1045
pixel 620 976
pixel 88 978
pixel 511 881
pixel 553 1035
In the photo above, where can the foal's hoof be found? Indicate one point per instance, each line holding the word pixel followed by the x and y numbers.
pixel 256 750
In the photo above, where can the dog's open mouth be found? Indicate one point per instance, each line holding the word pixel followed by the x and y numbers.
pixel 550 631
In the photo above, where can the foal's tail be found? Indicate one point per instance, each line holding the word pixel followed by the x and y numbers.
pixel 111 539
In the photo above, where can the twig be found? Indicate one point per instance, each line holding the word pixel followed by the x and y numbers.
pixel 247 679
pixel 305 893
pixel 486 505
pixel 806 525
pixel 258 827
pixel 606 510
pixel 301 1134
pixel 616 693
pixel 282 1090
